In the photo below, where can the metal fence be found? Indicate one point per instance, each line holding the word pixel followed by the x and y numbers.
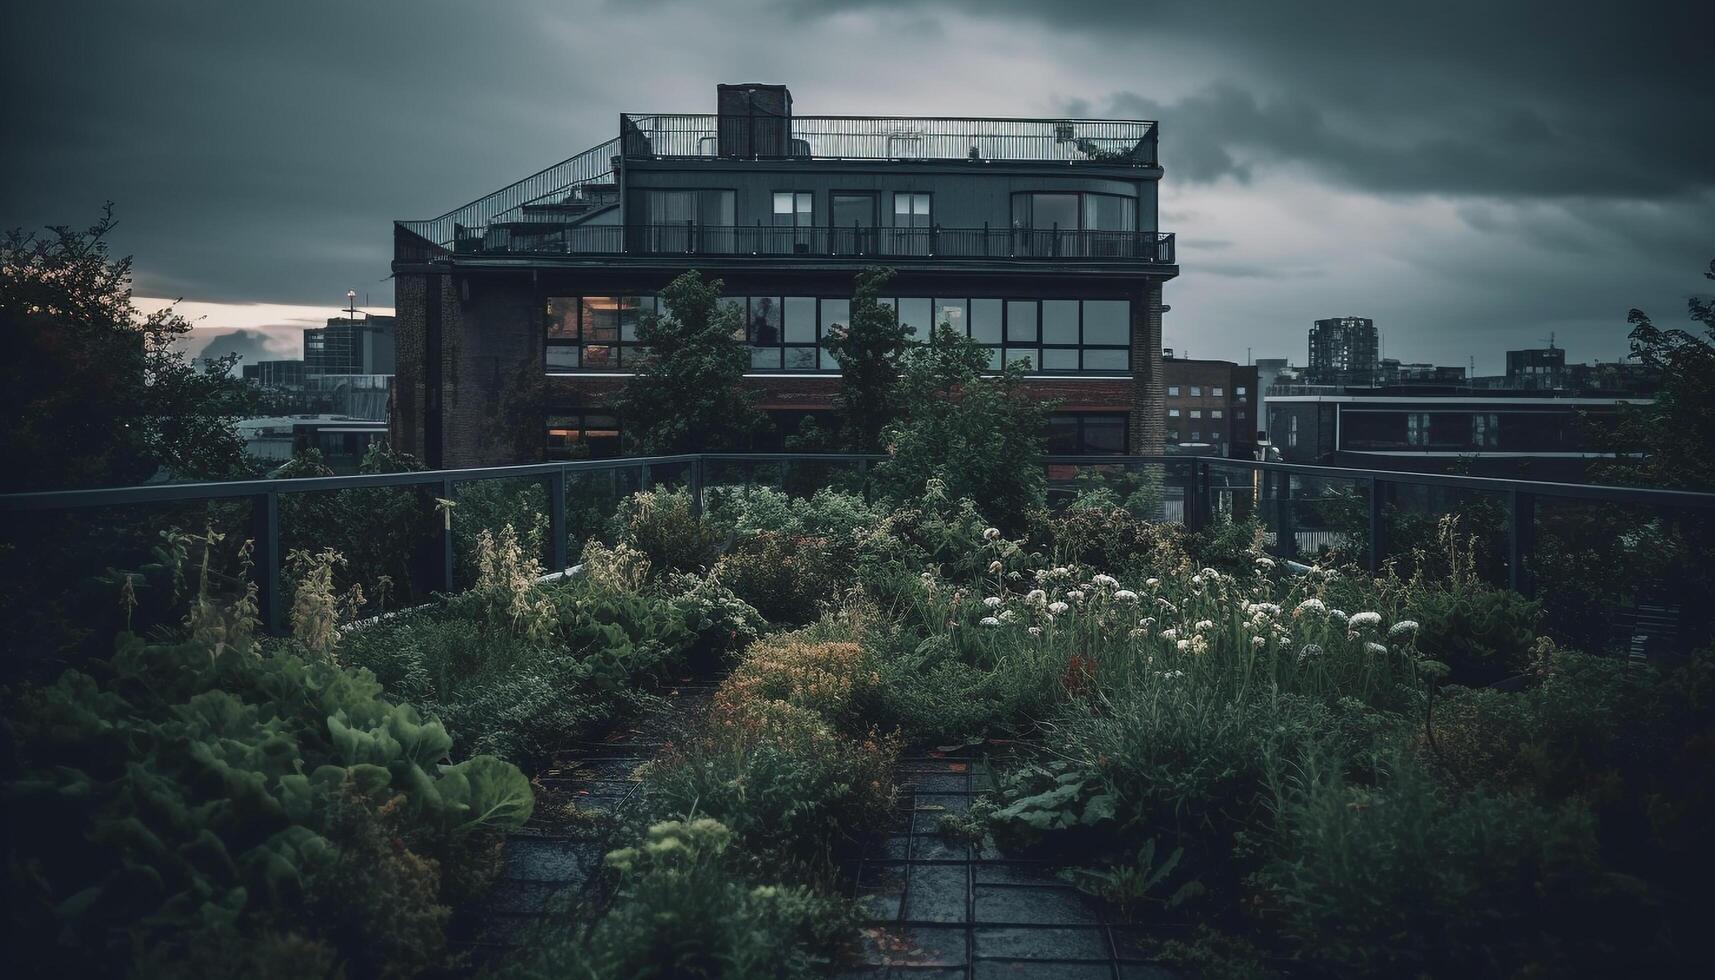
pixel 1191 489
pixel 689 238
pixel 1127 142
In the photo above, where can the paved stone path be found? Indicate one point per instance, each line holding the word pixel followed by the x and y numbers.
pixel 940 909
pixel 549 856
pixel 953 910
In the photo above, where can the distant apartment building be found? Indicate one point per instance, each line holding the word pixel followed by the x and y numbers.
pixel 1489 433
pixel 1343 351
pixel 1212 403
pixel 1037 238
pixel 1540 368
pixel 348 345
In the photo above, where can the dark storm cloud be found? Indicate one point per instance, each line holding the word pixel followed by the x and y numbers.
pixel 266 147
pixel 259 152
pixel 1514 98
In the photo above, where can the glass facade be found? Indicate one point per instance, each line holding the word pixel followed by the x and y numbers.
pixel 784 333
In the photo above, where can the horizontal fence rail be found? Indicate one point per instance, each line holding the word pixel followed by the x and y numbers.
pixel 1198 484
pixel 1126 142
pixel 559 238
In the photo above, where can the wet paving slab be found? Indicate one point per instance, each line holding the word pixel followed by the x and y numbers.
pixel 557 856
pixel 941 906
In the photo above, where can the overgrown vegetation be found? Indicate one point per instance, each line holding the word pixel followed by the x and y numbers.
pixel 205 803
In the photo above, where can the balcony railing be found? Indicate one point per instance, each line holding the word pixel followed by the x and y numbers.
pixel 1124 142
pixel 538 238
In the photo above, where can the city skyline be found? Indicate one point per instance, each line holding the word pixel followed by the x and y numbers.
pixel 1463 178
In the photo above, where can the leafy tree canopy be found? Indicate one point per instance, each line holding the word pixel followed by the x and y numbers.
pixel 980 433
pixel 868 352
pixel 1675 431
pixel 94 392
pixel 690 396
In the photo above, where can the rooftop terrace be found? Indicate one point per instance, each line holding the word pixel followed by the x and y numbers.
pixel 589 180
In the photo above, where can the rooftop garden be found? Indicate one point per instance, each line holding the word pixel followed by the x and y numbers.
pixel 935 712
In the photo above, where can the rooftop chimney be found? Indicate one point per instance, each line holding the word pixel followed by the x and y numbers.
pixel 755 120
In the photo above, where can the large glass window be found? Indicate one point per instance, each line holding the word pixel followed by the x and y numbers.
pixel 793 209
pixel 916 315
pixel 691 221
pixel 1086 433
pixel 912 223
pixel 1485 430
pixel 581 436
pixel 836 313
pixel 1021 322
pixel 1417 429
pixel 600 333
pixel 1058 223
pixel 952 313
pixel 794 221
pixel 985 321
pixel 593 332
pixel 1107 322
pixel 1060 321
pixel 853 216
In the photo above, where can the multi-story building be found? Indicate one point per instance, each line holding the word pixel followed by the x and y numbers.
pixel 1343 351
pixel 1036 237
pixel 1211 403
pixel 1536 368
pixel 348 345
pixel 1488 433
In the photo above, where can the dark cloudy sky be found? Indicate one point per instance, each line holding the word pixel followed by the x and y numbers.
pixel 1474 175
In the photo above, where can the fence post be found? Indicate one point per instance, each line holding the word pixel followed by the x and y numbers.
pixel 645 477
pixel 863 475
pixel 1378 528
pixel 1521 541
pixel 447 574
pixel 1285 535
pixel 558 548
pixel 265 557
pixel 696 478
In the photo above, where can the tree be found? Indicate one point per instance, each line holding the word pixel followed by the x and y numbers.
pixel 981 435
pixel 94 392
pixel 868 352
pixel 690 395
pixel 1676 430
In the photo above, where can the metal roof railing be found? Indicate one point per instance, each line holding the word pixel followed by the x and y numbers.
pixel 1126 142
pixel 1194 478
pixel 545 186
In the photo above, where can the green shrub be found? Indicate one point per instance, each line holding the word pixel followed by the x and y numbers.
pixel 787 579
pixel 203 794
pixel 659 523
pixel 1403 879
pixel 524 694
pixel 689 903
pixel 783 758
pixel 932 694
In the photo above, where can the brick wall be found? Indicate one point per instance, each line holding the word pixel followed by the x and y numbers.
pixel 405 423
pixel 1147 412
pixel 493 381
